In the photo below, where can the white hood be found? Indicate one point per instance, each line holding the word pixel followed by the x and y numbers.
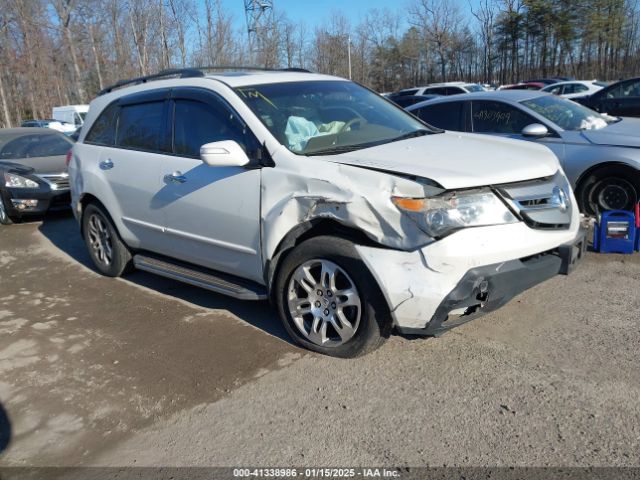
pixel 458 160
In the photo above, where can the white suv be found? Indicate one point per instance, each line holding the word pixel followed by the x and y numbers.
pixel 352 216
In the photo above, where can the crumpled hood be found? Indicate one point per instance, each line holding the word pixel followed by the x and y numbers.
pixel 458 160
pixel 624 133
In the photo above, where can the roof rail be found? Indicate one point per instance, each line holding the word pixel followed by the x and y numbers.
pixel 191 73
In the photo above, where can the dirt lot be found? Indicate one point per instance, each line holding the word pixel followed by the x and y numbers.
pixel 147 371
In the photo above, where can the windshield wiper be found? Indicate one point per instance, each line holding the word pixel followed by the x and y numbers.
pixel 337 150
pixel 350 148
pixel 416 133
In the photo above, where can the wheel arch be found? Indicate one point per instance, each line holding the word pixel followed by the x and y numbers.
pixel 305 231
pixel 600 166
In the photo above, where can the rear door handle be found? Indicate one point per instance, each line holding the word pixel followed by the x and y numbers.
pixel 175 177
pixel 106 164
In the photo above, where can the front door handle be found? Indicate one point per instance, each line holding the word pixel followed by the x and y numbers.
pixel 175 177
pixel 106 164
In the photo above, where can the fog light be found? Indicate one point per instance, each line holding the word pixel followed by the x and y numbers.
pixel 21 204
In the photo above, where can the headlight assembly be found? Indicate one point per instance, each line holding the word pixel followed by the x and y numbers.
pixel 441 215
pixel 16 181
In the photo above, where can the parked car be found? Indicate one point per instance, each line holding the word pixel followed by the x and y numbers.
pixel 549 81
pixel 574 88
pixel 621 99
pixel 406 100
pixel 33 170
pixel 351 215
pixel 599 153
pixel 523 86
pixel 58 125
pixel 446 88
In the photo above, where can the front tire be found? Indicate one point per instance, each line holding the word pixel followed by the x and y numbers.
pixel 328 300
pixel 5 218
pixel 609 188
pixel 107 250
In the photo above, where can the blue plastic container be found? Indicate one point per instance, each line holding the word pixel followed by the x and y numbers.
pixel 616 232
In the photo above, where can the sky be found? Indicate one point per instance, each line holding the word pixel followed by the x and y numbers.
pixel 315 12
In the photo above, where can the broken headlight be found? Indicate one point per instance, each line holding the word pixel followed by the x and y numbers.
pixel 16 181
pixel 439 216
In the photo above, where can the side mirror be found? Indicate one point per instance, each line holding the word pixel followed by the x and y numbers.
pixel 536 130
pixel 226 153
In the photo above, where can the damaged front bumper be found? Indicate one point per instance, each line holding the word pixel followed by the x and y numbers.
pixel 438 296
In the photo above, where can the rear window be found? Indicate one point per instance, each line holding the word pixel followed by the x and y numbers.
pixel 41 145
pixel 447 116
pixel 141 126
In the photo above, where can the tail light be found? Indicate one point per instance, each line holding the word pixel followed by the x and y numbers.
pixel 68 159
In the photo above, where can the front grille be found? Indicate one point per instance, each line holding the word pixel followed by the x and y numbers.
pixel 58 181
pixel 543 203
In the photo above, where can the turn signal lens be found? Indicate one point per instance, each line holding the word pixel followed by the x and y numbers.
pixel 410 204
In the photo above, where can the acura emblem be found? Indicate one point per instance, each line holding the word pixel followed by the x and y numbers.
pixel 559 199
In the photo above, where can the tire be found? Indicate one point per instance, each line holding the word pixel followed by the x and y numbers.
pixel 107 250
pixel 5 218
pixel 348 301
pixel 609 188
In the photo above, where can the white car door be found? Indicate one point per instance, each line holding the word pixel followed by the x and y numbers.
pixel 211 214
pixel 129 164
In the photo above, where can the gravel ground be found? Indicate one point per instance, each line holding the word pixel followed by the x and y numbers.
pixel 146 371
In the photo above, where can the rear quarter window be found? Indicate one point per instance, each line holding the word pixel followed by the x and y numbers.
pixel 103 131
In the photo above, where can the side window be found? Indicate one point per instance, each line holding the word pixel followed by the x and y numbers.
pixel 197 123
pixel 141 126
pixel 498 117
pixel 578 87
pixel 103 130
pixel 447 116
pixel 437 91
pixel 407 92
pixel 555 90
pixel 626 89
pixel 454 91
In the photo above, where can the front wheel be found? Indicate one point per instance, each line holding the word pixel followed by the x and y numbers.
pixel 610 188
pixel 108 252
pixel 5 218
pixel 329 301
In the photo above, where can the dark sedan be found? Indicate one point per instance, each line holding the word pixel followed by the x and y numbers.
pixel 33 172
pixel 620 99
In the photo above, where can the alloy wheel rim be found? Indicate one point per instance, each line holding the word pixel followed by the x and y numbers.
pixel 324 303
pixel 100 240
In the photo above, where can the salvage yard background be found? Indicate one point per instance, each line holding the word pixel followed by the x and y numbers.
pixel 61 52
pixel 146 371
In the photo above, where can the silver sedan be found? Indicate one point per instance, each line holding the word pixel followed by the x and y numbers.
pixel 600 154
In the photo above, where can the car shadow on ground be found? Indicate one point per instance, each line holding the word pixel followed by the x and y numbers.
pixel 5 429
pixel 62 231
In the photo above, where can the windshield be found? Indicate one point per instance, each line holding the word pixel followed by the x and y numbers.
pixel 566 114
pixel 327 117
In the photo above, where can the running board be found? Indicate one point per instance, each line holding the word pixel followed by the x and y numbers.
pixel 200 277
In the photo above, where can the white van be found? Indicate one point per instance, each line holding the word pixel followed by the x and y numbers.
pixel 73 114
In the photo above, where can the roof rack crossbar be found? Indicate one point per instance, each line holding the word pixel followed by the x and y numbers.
pixel 191 72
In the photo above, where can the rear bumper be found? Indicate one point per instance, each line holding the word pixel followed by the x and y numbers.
pixel 485 289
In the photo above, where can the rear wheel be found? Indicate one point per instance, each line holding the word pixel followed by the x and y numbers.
pixel 328 300
pixel 108 252
pixel 609 188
